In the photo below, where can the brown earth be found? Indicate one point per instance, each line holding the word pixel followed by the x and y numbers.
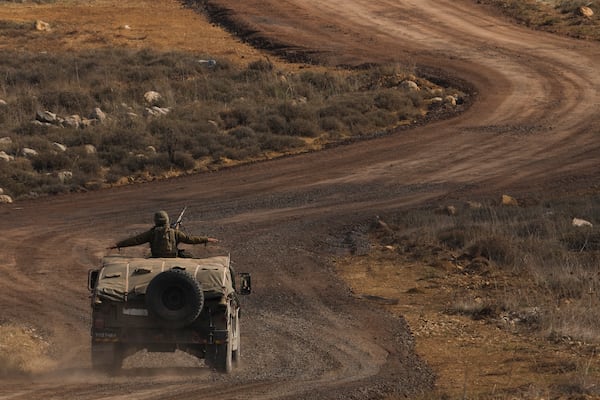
pixel 532 131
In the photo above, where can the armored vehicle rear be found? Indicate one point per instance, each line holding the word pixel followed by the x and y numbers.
pixel 163 305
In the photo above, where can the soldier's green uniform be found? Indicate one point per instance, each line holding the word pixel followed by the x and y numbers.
pixel 162 238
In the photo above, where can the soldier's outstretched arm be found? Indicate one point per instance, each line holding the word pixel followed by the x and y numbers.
pixel 183 238
pixel 142 238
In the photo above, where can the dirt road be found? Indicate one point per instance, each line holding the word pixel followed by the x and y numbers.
pixel 532 131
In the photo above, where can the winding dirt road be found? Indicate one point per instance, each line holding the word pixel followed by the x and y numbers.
pixel 533 130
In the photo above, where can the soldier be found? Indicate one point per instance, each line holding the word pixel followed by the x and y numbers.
pixel 163 239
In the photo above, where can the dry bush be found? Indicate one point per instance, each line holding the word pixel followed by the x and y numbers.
pixel 534 243
pixel 474 308
pixel 498 249
pixel 206 103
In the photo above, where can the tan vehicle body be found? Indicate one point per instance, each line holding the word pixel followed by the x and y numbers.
pixel 163 305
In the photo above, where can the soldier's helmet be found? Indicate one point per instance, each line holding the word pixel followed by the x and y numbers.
pixel 161 218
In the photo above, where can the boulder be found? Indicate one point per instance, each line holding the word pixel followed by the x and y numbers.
pixel 98 115
pixel 451 100
pixel 6 157
pixel 5 199
pixel 151 149
pixel 59 146
pixel 65 176
pixel 27 152
pixel 41 25
pixel 152 98
pixel 474 205
pixel 585 12
pixel 578 222
pixel 509 201
pixel 45 117
pixel 90 149
pixel 72 121
pixel 3 102
pixel 410 85
pixel 157 111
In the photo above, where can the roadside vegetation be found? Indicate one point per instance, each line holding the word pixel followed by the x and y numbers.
pixel 565 17
pixel 525 275
pixel 114 116
pixel 537 242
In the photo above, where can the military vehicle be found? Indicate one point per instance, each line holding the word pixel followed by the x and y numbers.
pixel 163 305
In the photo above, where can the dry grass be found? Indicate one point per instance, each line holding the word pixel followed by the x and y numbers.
pixel 507 297
pixel 22 351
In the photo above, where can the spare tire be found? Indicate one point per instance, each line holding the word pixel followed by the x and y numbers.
pixel 174 297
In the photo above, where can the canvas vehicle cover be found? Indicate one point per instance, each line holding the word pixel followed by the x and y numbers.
pixel 122 278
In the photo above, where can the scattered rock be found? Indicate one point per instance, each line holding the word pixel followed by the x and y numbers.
pixel 585 12
pixel 41 25
pixel 65 176
pixel 474 205
pixel 450 100
pixel 27 152
pixel 157 111
pixel 152 97
pixel 509 201
pixel 410 85
pixel 86 122
pixel 90 149
pixel 72 121
pixel 98 115
pixel 451 210
pixel 581 223
pixel 59 146
pixel 6 157
pixel 437 92
pixel 45 117
pixel 5 199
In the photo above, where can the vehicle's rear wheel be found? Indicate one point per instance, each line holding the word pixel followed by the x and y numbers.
pixel 107 357
pixel 237 342
pixel 175 298
pixel 223 359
